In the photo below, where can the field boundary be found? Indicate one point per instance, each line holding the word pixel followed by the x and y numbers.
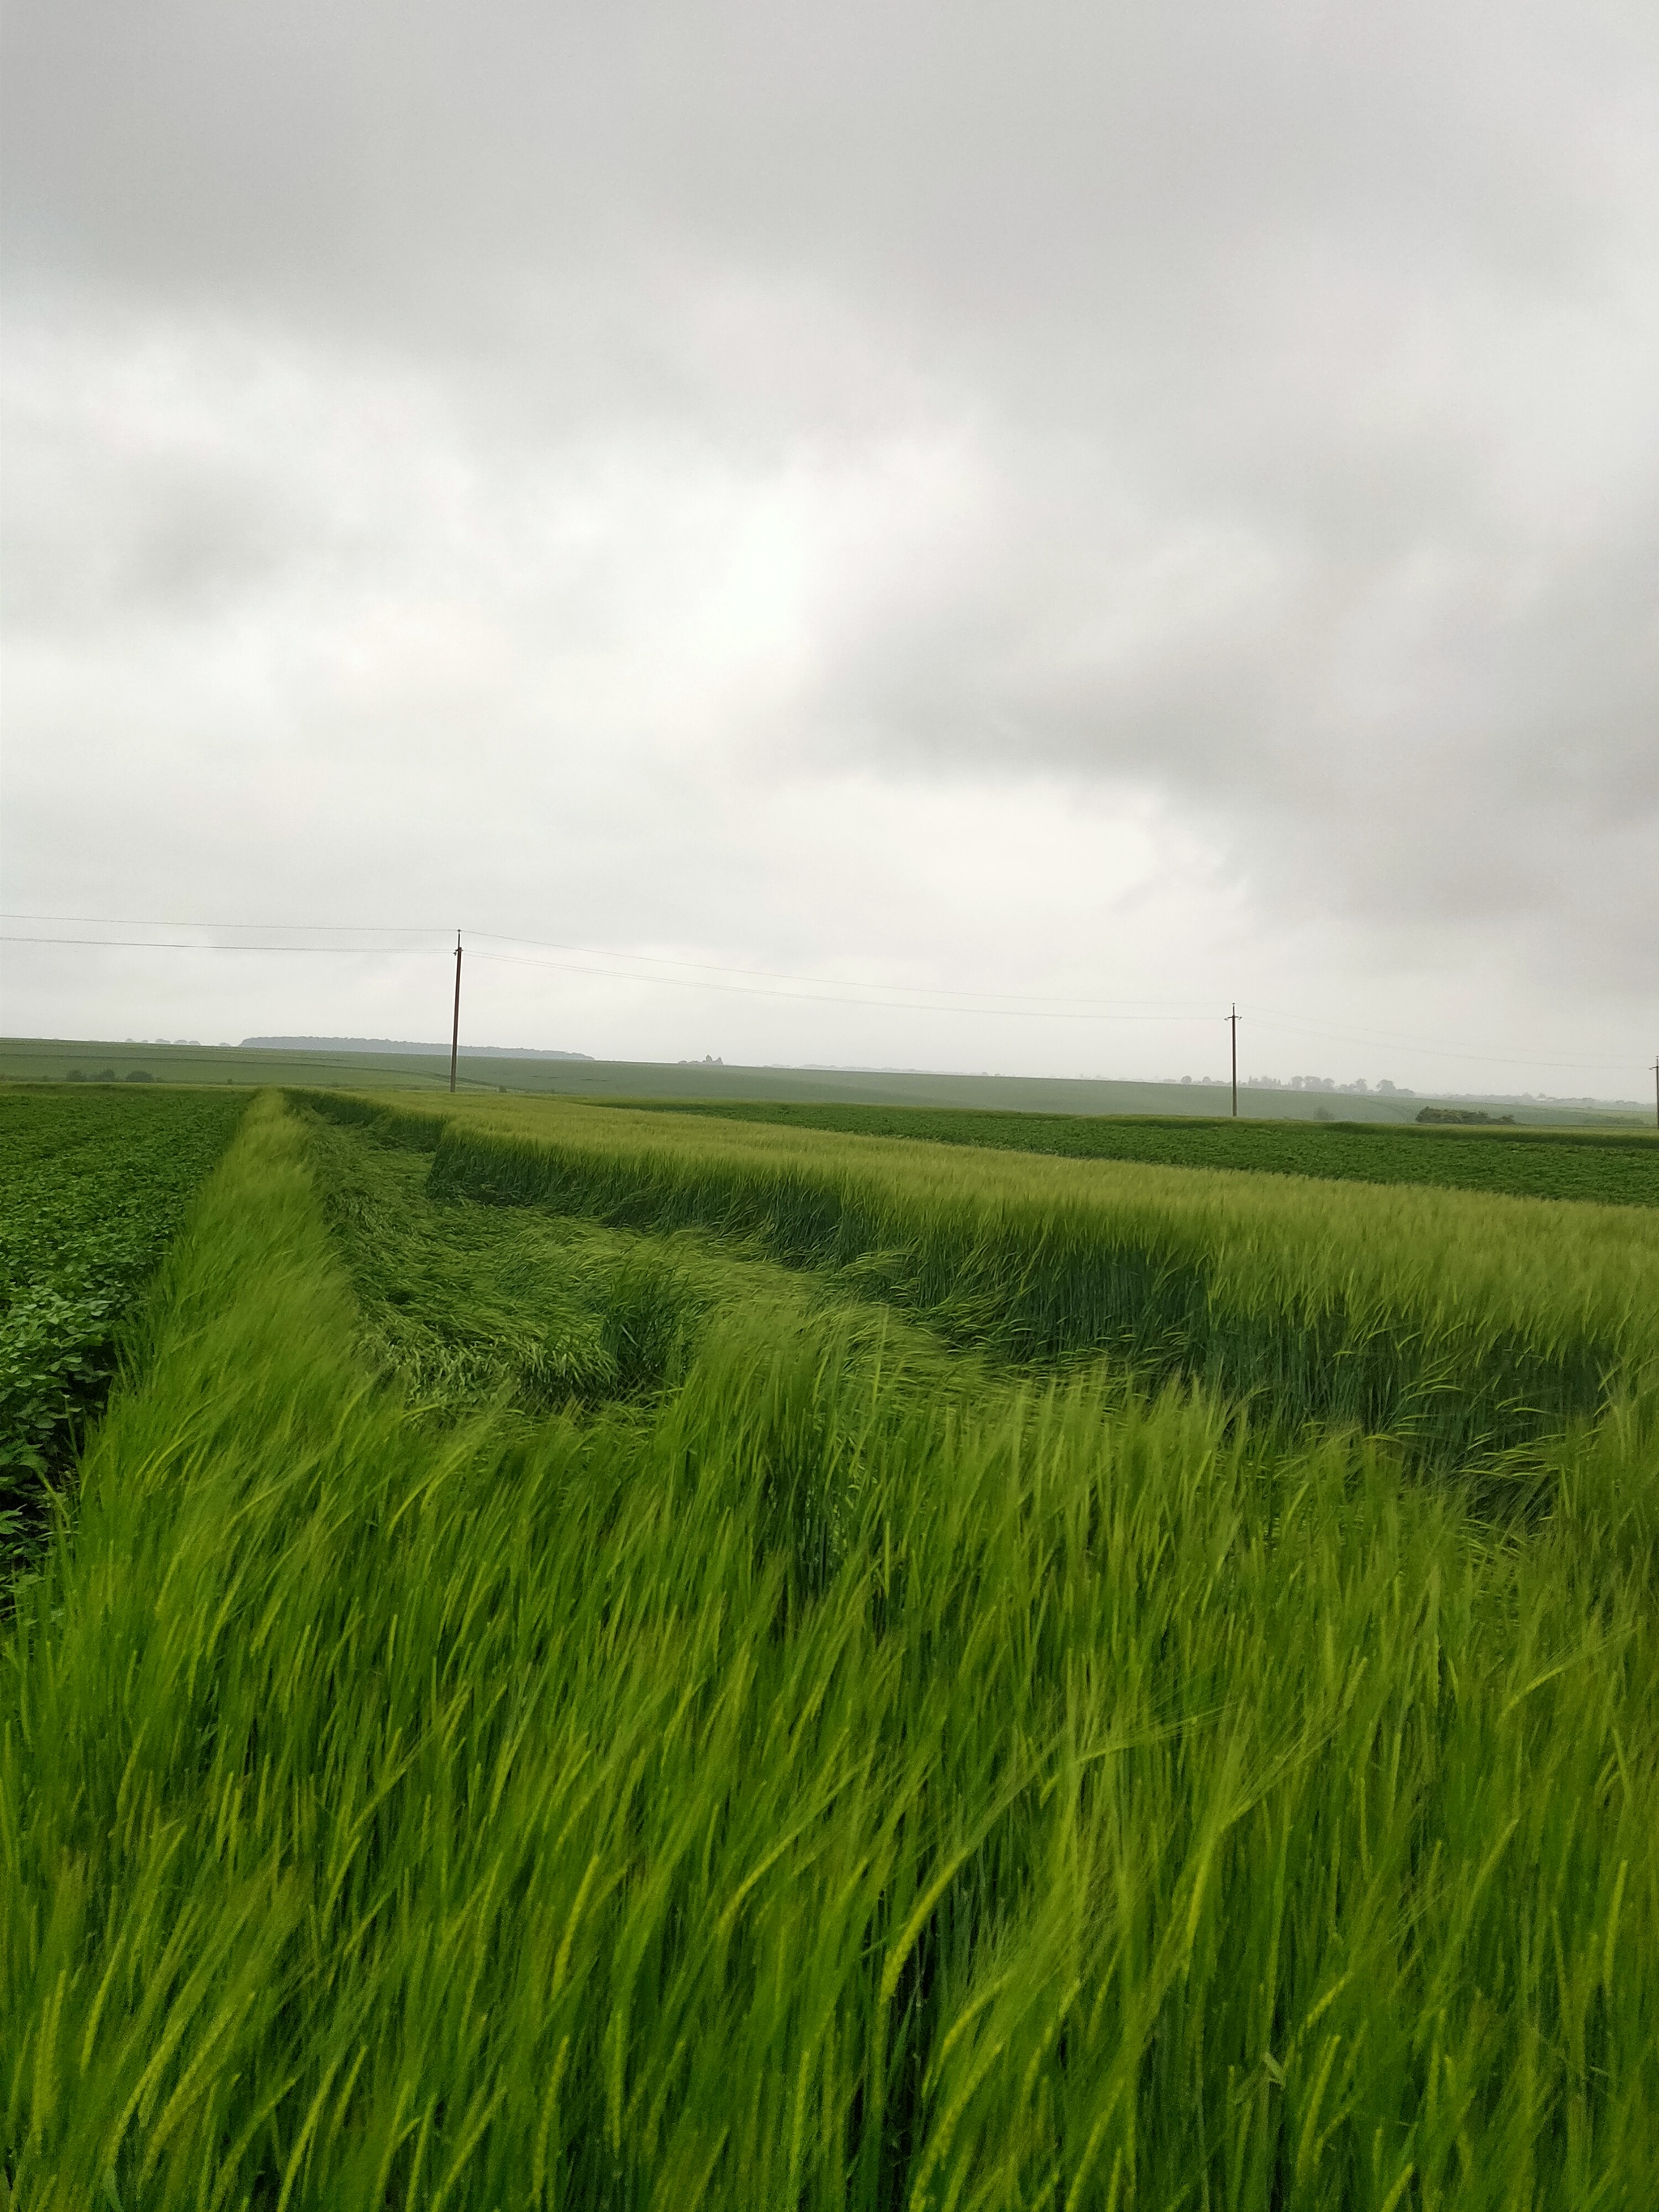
pixel 789 1112
pixel 1577 1167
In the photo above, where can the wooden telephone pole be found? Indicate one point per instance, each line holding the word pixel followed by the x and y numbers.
pixel 1655 1094
pixel 1232 1020
pixel 455 1027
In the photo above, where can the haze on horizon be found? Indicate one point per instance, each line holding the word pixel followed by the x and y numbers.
pixel 965 537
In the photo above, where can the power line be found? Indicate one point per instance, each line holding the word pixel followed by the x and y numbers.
pixel 1201 1007
pixel 150 922
pixel 188 945
pixel 825 990
pixel 1029 1013
pixel 569 967
pixel 894 1006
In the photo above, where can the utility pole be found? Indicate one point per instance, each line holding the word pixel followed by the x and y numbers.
pixel 1655 1094
pixel 455 1028
pixel 1232 1019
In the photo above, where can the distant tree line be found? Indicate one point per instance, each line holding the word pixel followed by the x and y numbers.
pixel 1464 1117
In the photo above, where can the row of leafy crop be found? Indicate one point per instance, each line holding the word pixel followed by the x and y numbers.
pixel 1465 1328
pixel 830 1784
pixel 1590 1167
pixel 96 1183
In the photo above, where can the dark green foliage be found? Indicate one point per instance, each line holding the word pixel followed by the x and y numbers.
pixel 1601 1168
pixel 1469 1117
pixel 92 1186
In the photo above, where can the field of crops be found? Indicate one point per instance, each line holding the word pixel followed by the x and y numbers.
pixel 95 1185
pixel 53 1059
pixel 1600 1168
pixel 624 1661
pixel 1459 1324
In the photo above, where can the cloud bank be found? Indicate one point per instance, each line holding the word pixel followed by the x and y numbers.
pixel 1109 504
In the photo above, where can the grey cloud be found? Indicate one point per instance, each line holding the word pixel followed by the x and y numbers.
pixel 1245 406
pixel 1012 161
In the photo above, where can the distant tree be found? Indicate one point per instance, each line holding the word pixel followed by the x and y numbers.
pixel 76 1076
pixel 139 1075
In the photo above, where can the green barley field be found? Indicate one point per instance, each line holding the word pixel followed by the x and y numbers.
pixel 1606 1167
pixel 606 1659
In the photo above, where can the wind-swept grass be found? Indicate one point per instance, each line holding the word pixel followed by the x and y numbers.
pixel 845 1780
pixel 470 1305
pixel 1465 1327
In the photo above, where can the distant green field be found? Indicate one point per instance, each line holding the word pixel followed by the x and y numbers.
pixel 33 1059
pixel 1603 1168
pixel 57 1060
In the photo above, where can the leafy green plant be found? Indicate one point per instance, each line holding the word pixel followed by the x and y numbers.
pixel 95 1185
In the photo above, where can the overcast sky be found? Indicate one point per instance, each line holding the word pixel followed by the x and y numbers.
pixel 1042 520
